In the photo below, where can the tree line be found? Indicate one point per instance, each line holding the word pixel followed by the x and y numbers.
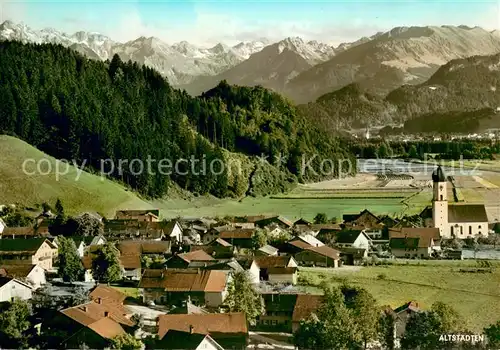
pixel 79 109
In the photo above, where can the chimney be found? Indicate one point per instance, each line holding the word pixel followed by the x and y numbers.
pixel 84 309
pixel 106 313
pixel 98 300
pixel 191 329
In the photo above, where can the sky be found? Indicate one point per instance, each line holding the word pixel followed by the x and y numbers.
pixel 209 22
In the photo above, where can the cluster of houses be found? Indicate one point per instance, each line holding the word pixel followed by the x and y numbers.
pixel 188 265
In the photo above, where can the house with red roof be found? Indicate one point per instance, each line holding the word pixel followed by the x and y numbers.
pixel 230 330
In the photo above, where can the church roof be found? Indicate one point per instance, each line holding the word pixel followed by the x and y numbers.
pixel 467 213
pixel 438 175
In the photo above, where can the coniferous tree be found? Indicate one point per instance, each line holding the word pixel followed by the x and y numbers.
pixel 70 267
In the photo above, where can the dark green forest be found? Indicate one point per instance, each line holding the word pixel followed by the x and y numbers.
pixel 78 109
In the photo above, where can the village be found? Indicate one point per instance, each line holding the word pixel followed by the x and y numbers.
pixel 175 275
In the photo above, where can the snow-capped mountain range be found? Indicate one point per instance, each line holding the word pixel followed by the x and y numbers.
pixel 180 62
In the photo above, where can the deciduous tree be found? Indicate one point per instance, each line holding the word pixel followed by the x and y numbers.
pixel 106 264
pixel 242 297
pixel 70 266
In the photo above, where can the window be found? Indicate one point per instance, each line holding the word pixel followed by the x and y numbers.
pixel 441 197
pixel 479 226
pixel 470 230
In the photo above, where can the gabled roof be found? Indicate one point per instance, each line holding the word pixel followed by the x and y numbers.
pixel 169 228
pixel 406 243
pixel 187 341
pixel 237 234
pixel 22 246
pixel 299 244
pixel 459 213
pixel 325 251
pixel 220 241
pixel 311 240
pixel 348 236
pixel 412 305
pixel 19 231
pixel 154 212
pixel 107 328
pixel 268 249
pixel 5 280
pixel 195 255
pixel 227 265
pixel 302 221
pixel 107 294
pixel 282 270
pixel 278 218
pixel 231 323
pixel 266 262
pixel 420 232
pixel 187 280
pixel 16 271
pixel 144 247
pixel 91 312
pixel 305 305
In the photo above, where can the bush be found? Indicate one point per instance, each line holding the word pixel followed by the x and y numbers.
pixel 382 276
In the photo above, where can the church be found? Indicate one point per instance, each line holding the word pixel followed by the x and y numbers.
pixel 455 221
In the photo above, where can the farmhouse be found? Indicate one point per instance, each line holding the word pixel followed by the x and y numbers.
pixel 279 311
pixel 93 323
pixel 11 288
pixel 172 286
pixel 275 269
pixel 411 247
pixel 230 330
pixel 267 250
pixel 33 275
pixel 350 238
pixel 189 341
pixel 459 221
pixel 18 232
pixel 30 251
pixel 239 238
pixel 305 305
pixel 184 260
pixel 150 215
pixel 133 229
pixel 353 256
pixel 318 256
pixel 311 240
pixel 106 294
pixel 403 313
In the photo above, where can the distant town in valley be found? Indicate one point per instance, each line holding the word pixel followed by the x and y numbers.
pixel 249 175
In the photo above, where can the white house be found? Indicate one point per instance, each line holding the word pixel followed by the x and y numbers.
pixel 174 230
pixel 455 221
pixel 34 275
pixel 311 240
pixel 353 239
pixel 276 269
pixel 11 288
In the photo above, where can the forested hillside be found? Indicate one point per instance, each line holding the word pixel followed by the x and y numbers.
pixel 74 108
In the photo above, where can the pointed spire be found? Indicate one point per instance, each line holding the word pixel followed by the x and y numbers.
pixel 438 175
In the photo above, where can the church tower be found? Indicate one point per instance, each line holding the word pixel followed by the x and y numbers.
pixel 440 202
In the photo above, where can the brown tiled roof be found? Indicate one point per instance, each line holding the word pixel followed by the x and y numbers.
pixel 282 270
pixel 130 261
pixel 326 251
pixel 107 293
pixel 144 247
pixel 155 212
pixel 222 242
pixel 300 244
pixel 305 305
pixel 107 328
pixel 467 213
pixel 265 262
pixel 228 323
pixel 415 232
pixel 184 280
pixel 195 255
pixel 15 271
pixel 19 231
pixel 237 234
pixel 91 312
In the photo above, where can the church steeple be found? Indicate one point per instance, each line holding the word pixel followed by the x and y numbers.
pixel 438 175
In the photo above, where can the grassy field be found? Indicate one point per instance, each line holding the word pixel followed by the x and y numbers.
pixel 291 208
pixel 475 296
pixel 89 192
